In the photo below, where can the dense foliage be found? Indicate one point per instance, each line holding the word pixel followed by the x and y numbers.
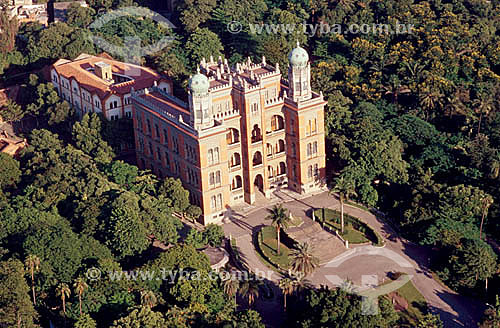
pixel 412 125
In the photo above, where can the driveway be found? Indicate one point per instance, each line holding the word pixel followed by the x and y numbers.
pixel 455 310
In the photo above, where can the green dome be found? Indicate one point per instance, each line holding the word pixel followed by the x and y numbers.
pixel 298 56
pixel 198 83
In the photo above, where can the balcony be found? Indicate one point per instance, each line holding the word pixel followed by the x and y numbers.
pixel 273 132
pixel 233 145
pixel 234 168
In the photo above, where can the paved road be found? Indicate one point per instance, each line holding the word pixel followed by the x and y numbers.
pixel 455 310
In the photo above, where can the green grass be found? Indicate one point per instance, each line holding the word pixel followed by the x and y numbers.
pixel 268 248
pixel 356 231
pixel 417 305
pixel 350 234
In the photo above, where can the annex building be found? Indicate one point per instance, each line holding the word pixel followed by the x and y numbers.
pixel 244 131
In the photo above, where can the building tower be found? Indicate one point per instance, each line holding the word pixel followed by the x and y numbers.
pixel 199 102
pixel 299 74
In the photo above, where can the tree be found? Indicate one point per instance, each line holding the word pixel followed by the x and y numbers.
pixel 59 113
pixel 10 173
pixel 79 16
pixel 142 317
pixel 287 287
pixel 486 203
pixel 148 298
pixel 16 307
pixel 12 112
pixel 231 286
pixel 249 319
pixel 87 137
pixel 249 288
pixel 280 219
pixel 8 26
pixel 122 173
pixel 473 261
pixel 430 321
pixel 80 286
pixel 195 12
pixel 85 321
pixel 193 212
pixel 127 234
pixel 172 188
pixel 336 308
pixel 213 234
pixel 345 188
pixel 303 261
pixel 203 43
pixel 491 317
pixel 63 292
pixel 32 263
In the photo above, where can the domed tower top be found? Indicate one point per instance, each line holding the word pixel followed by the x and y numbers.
pixel 298 56
pixel 198 83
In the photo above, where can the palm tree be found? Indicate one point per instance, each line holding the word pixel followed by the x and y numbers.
pixel 148 298
pixel 345 188
pixel 430 99
pixel 483 105
pixel 63 291
pixel 280 219
pixel 80 286
pixel 394 88
pixel 348 5
pixel 250 289
pixel 301 284
pixel 32 264
pixel 486 202
pixel 231 286
pixel 287 286
pixel 303 261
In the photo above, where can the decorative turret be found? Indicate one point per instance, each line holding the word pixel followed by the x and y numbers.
pixel 299 74
pixel 199 102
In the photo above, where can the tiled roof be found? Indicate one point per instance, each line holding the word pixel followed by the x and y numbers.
pixel 78 69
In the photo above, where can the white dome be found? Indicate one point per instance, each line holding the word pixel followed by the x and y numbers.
pixel 298 56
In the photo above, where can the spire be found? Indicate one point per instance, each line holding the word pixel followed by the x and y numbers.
pixel 298 44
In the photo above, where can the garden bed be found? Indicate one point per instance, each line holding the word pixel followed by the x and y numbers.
pixel 355 230
pixel 266 243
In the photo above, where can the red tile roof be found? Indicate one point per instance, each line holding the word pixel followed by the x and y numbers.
pixel 78 69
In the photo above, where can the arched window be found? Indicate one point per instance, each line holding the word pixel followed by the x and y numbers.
pixel 282 168
pixel 280 147
pixel 235 160
pixel 210 156
pixel 270 171
pixel 269 149
pixel 233 136
pixel 277 123
pixel 257 158
pixel 237 183
pixel 216 155
pixel 256 135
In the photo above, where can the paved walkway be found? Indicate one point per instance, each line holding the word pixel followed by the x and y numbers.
pixel 455 310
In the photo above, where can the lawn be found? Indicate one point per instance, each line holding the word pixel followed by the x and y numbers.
pixel 417 305
pixel 353 235
pixel 268 248
pixel 350 234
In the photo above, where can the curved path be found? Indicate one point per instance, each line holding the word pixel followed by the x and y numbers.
pixel 455 310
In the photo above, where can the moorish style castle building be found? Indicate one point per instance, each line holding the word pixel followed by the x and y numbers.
pixel 245 130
